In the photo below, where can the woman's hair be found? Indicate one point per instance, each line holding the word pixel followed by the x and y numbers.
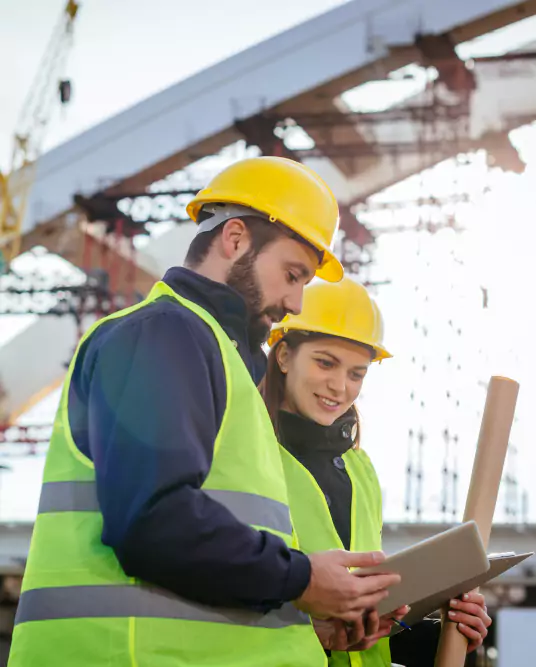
pixel 272 386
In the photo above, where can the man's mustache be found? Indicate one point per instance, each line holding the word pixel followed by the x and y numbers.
pixel 275 314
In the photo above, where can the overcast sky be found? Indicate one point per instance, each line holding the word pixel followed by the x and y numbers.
pixel 127 50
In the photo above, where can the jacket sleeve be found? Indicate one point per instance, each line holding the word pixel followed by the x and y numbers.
pixel 155 390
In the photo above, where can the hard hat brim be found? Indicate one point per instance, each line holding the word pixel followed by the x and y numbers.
pixel 331 270
pixel 280 332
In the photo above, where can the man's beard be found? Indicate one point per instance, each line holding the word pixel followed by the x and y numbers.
pixel 243 278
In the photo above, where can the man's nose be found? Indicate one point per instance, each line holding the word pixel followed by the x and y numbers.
pixel 293 301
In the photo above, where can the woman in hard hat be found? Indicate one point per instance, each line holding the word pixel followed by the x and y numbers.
pixel 316 368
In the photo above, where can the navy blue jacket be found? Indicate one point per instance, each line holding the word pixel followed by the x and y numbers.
pixel 146 402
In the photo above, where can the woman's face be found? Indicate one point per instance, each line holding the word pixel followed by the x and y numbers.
pixel 323 377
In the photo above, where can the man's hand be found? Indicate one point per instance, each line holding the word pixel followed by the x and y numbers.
pixel 470 613
pixel 334 592
pixel 331 633
pixel 365 633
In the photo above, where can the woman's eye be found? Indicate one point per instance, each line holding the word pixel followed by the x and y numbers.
pixel 356 377
pixel 324 363
pixel 292 278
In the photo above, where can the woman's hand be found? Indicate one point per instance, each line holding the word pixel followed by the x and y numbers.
pixel 359 635
pixel 470 613
pixel 337 635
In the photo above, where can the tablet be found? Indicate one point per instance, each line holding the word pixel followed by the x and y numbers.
pixel 433 565
pixel 499 563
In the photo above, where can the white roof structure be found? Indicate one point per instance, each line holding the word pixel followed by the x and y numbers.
pixel 304 74
pixel 305 68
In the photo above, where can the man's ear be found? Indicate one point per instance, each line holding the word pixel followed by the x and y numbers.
pixel 235 239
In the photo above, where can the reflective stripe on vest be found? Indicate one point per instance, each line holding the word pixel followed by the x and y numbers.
pixel 46 604
pixel 246 507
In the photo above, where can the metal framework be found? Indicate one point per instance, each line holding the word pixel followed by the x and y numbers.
pixel 433 127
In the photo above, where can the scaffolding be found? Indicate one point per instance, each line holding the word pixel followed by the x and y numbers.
pixel 434 126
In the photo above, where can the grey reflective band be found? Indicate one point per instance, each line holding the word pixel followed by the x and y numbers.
pixel 255 510
pixel 68 497
pixel 220 213
pixel 247 507
pixel 50 604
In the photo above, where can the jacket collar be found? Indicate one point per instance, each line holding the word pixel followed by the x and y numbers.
pixel 301 436
pixel 227 307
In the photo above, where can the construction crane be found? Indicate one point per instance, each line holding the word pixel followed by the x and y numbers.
pixel 30 133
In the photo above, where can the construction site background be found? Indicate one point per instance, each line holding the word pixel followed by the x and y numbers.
pixel 432 153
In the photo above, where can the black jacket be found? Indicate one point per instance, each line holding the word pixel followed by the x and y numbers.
pixel 319 449
pixel 145 404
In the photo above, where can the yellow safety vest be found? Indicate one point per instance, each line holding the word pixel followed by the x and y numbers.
pixel 79 609
pixel 316 531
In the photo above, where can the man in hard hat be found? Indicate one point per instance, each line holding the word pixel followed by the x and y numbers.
pixel 163 536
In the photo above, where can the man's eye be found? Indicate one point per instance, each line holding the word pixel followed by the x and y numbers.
pixel 292 278
pixel 324 363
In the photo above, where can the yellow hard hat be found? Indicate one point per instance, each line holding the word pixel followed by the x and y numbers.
pixel 344 309
pixel 285 191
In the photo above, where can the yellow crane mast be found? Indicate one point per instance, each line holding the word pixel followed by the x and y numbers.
pixel 30 132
